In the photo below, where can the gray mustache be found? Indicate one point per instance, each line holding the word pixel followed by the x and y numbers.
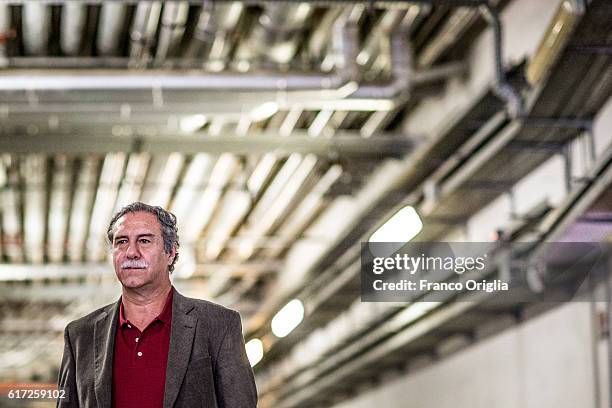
pixel 134 264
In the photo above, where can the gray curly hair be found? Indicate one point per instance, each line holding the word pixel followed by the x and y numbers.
pixel 167 223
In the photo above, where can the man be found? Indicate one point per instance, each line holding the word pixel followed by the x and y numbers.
pixel 154 347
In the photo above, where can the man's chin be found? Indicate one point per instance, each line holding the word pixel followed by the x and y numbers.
pixel 133 283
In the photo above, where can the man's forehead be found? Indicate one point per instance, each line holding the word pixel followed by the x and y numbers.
pixel 137 222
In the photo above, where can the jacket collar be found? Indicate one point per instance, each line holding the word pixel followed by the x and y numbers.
pixel 181 342
pixel 105 329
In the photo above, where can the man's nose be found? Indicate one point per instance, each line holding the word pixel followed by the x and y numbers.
pixel 132 251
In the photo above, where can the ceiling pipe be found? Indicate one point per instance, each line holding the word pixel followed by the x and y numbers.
pixel 36 27
pixel 514 102
pixel 59 205
pixel 338 91
pixel 401 65
pixel 173 20
pixel 318 40
pixel 12 234
pixel 34 207
pixel 82 200
pixel 281 30
pixel 211 40
pixel 73 21
pixel 383 29
pixel 109 28
pixel 5 33
pixel 460 20
pixel 142 36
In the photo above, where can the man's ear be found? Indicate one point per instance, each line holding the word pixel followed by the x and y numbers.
pixel 172 255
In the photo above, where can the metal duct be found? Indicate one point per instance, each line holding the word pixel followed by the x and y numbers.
pixel 73 21
pixel 36 28
pixel 109 28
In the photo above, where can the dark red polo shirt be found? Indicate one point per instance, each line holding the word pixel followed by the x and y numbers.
pixel 139 362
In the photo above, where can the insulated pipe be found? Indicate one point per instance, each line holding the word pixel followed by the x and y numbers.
pixel 143 29
pixel 387 24
pixel 4 32
pixel 174 18
pixel 402 72
pixel 109 28
pixel 333 85
pixel 282 27
pixel 211 37
pixel 73 21
pixel 275 35
pixel 188 79
pixel 319 39
pixel 35 27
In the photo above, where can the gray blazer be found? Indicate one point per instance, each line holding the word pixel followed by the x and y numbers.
pixel 207 362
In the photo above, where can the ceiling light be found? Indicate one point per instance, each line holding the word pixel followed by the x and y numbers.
pixel 401 227
pixel 288 318
pixel 254 350
pixel 191 123
pixel 264 111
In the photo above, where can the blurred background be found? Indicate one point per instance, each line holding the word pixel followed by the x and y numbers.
pixel 282 135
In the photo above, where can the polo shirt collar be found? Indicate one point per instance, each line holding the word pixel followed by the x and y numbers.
pixel 165 316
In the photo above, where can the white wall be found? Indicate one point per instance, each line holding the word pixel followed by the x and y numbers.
pixel 545 362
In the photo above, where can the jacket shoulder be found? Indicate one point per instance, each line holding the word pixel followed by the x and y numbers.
pixel 86 322
pixel 213 310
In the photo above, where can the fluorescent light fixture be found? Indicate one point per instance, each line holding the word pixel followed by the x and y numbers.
pixel 347 89
pixel 401 227
pixel 318 124
pixel 215 65
pixel 261 173
pixel 254 350
pixel 288 318
pixel 191 123
pixel 264 111
pixel 232 16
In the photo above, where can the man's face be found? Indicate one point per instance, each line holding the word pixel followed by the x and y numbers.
pixel 138 251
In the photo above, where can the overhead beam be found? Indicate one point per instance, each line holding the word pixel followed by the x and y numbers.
pixel 344 144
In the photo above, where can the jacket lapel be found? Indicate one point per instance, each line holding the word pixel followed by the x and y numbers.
pixel 181 342
pixel 105 328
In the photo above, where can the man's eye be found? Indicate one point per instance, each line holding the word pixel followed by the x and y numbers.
pixel 144 241
pixel 120 242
